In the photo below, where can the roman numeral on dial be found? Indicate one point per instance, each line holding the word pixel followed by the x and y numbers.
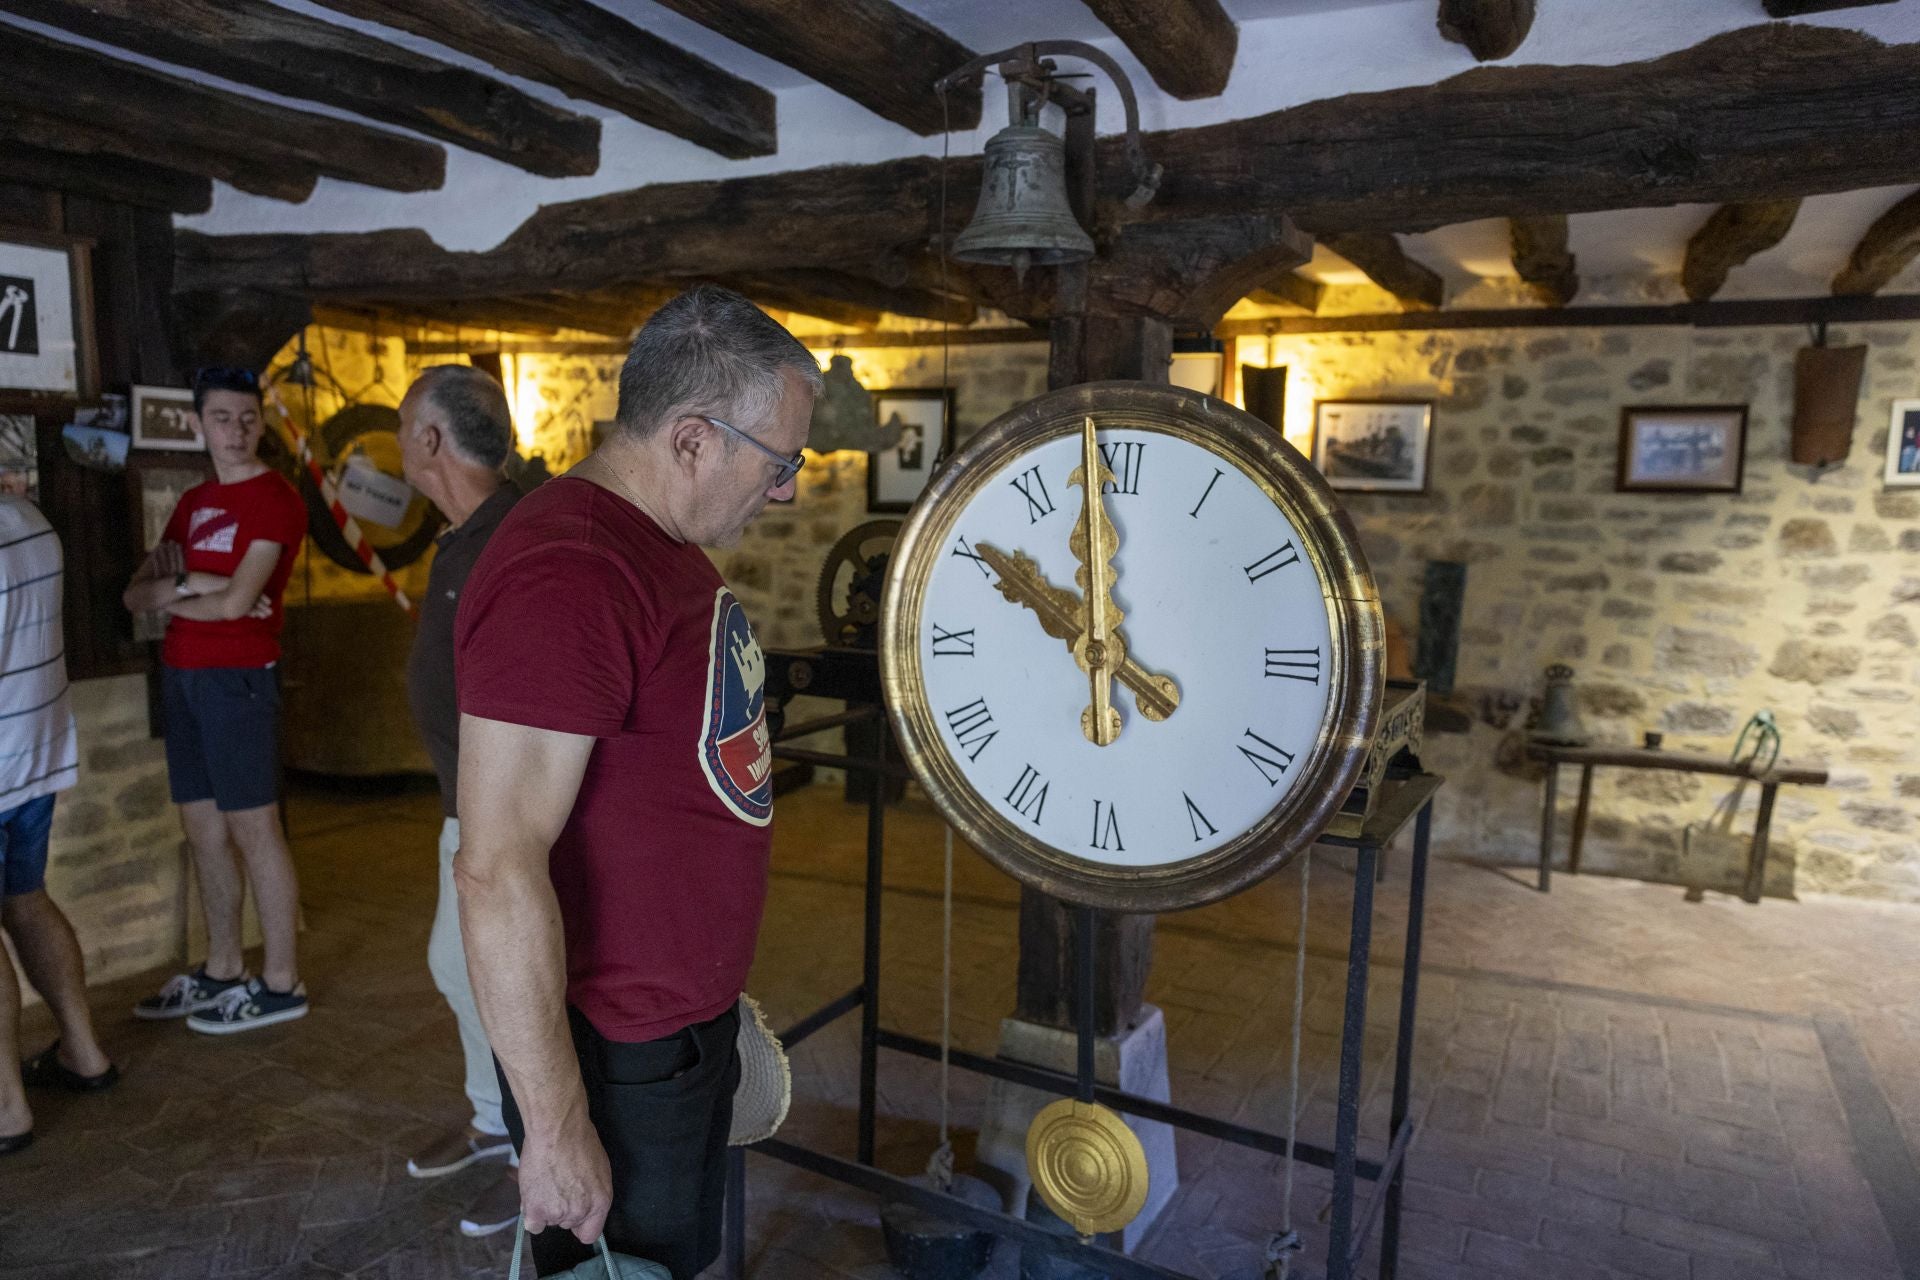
pixel 1197 819
pixel 1123 458
pixel 1267 563
pixel 1028 795
pixel 1106 828
pixel 966 552
pixel 1034 490
pixel 952 644
pixel 1294 664
pixel 1206 493
pixel 971 726
pixel 1272 767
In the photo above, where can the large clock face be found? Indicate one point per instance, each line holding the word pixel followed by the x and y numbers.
pixel 1143 698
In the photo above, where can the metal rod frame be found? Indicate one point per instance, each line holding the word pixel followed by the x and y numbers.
pixel 1348 1235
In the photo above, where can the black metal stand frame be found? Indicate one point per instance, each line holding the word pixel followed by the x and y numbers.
pixel 1406 799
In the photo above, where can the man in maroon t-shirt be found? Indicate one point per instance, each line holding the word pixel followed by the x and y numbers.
pixel 218 573
pixel 616 788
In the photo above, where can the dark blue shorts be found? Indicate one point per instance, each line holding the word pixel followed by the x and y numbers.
pixel 223 735
pixel 23 847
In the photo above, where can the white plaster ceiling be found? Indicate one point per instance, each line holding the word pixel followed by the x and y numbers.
pixel 1290 51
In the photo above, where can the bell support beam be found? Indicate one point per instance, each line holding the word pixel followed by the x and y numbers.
pixel 72 99
pixel 1291 290
pixel 1890 244
pixel 1187 46
pixel 597 56
pixel 1732 234
pixel 260 44
pixel 871 51
pixel 1541 257
pixel 1763 112
pixel 1491 29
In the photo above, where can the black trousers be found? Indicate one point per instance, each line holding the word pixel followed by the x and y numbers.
pixel 662 1109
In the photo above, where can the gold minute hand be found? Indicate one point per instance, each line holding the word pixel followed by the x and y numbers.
pixel 1059 611
pixel 1099 648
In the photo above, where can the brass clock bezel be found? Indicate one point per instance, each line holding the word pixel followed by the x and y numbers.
pixel 1328 543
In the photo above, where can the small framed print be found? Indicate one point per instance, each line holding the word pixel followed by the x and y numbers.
pixel 1682 448
pixel 46 314
pixel 163 418
pixel 1903 445
pixel 896 476
pixel 1373 446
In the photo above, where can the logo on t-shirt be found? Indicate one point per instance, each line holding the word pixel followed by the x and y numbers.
pixel 735 749
pixel 212 529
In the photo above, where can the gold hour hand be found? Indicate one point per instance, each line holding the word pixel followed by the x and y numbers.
pixel 1059 611
pixel 1099 648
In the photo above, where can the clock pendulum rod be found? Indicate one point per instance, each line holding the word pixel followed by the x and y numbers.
pixel 1286 1242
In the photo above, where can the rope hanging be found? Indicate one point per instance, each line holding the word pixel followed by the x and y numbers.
pixel 1286 1243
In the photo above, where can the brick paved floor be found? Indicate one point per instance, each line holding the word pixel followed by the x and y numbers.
pixel 1614 1082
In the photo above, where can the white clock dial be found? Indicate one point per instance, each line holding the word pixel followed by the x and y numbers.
pixel 1146 704
pixel 1218 595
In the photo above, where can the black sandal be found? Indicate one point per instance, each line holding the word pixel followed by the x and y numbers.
pixel 45 1070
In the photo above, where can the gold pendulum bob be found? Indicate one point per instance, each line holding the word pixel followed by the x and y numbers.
pixel 1088 1167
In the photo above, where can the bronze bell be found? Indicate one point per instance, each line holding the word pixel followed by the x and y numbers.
pixel 1023 218
pixel 1559 722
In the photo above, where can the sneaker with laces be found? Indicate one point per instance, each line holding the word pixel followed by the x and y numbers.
pixel 497 1208
pixel 244 1007
pixel 456 1151
pixel 186 993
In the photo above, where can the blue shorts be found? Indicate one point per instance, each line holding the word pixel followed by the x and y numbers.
pixel 223 735
pixel 23 847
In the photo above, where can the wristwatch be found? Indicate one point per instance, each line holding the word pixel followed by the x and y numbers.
pixel 180 583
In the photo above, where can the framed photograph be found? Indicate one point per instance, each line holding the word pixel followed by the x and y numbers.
pixel 896 476
pixel 1903 445
pixel 46 314
pixel 163 418
pixel 157 488
pixel 1374 446
pixel 1682 448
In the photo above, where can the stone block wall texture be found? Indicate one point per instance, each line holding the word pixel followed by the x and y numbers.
pixel 118 859
pixel 1680 613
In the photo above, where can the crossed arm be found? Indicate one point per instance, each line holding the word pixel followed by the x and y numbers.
pixel 517 786
pixel 204 597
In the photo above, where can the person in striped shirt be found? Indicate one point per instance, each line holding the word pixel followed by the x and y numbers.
pixel 39 757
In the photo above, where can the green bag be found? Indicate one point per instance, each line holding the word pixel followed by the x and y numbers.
pixel 608 1266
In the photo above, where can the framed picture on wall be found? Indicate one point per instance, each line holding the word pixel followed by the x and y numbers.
pixel 157 489
pixel 163 419
pixel 1903 445
pixel 896 476
pixel 1682 448
pixel 1373 446
pixel 46 314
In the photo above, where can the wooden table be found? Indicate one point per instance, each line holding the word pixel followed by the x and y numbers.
pixel 1770 780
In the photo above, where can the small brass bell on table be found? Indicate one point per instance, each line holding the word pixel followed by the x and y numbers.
pixel 1559 723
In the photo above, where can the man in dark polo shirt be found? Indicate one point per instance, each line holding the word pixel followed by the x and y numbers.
pixel 455 432
pixel 616 788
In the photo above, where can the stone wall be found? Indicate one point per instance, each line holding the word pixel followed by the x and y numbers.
pixel 1680 613
pixel 118 860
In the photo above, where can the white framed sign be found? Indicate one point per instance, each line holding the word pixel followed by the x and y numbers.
pixel 1903 445
pixel 163 418
pixel 46 322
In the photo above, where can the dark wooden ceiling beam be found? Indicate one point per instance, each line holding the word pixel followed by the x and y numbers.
pixel 1292 291
pixel 1797 8
pixel 164 119
pixel 1187 46
pixel 871 51
pixel 1541 258
pixel 1766 112
pixel 771 292
pixel 276 176
pixel 1491 29
pixel 1890 244
pixel 856 291
pixel 1732 234
pixel 1417 286
pixel 260 44
pixel 107 178
pixel 594 55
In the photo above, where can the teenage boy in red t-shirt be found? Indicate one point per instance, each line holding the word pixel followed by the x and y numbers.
pixel 218 573
pixel 616 788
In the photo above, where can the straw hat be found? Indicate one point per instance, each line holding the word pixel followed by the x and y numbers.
pixel 766 1085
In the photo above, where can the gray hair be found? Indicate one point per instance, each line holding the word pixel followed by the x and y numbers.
pixel 708 351
pixel 475 407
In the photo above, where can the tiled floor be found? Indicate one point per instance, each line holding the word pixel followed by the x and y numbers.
pixel 1614 1082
